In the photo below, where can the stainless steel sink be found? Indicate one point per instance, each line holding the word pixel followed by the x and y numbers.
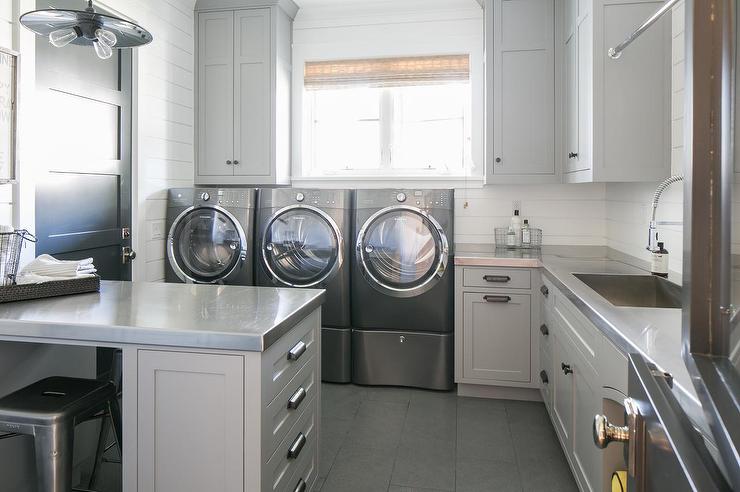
pixel 634 290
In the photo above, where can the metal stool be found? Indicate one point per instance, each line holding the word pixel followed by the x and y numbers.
pixel 49 410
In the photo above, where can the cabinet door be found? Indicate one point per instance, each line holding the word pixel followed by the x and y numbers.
pixel 587 395
pixel 584 72
pixel 252 95
pixel 523 96
pixel 497 337
pixel 562 391
pixel 571 103
pixel 190 422
pixel 215 93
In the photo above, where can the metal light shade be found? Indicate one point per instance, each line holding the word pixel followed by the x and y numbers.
pixel 86 24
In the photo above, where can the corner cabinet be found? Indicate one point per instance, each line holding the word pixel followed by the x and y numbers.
pixel 243 66
pixel 520 69
pixel 617 113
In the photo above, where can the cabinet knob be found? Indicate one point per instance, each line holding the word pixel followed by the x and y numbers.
pixel 228 163
pixel 566 368
pixel 605 432
pixel 498 160
pixel 544 330
pixel 545 291
pixel 543 377
pixel 236 163
pixel 572 155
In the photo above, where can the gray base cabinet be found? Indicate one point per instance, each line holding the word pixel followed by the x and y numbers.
pixel 587 375
pixel 495 325
pixel 229 421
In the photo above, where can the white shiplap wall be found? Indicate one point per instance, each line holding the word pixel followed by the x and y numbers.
pixel 628 204
pixel 163 118
pixel 6 41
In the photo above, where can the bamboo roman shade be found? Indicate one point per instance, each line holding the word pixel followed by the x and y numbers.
pixel 387 72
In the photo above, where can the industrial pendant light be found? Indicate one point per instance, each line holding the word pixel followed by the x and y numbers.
pixel 86 28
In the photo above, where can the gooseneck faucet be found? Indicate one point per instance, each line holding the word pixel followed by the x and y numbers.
pixel 653 229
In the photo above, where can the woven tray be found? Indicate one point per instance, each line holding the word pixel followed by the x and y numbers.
pixel 11 293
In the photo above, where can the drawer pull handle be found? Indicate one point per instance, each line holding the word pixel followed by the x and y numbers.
pixel 301 486
pixel 297 350
pixel 297 446
pixel 543 377
pixel 544 330
pixel 501 279
pixel 566 368
pixel 497 298
pixel 295 401
pixel 545 291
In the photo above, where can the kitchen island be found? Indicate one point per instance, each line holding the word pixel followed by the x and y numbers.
pixel 220 383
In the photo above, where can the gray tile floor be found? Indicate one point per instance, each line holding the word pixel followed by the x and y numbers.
pixel 404 440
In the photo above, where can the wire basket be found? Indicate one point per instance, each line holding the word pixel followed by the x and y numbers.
pixel 11 244
pixel 505 240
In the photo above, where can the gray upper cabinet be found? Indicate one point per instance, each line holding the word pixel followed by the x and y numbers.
pixel 520 129
pixel 243 91
pixel 616 112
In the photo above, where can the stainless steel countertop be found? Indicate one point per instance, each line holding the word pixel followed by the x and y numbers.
pixel 172 315
pixel 653 332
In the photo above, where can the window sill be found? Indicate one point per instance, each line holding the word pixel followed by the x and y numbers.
pixel 388 181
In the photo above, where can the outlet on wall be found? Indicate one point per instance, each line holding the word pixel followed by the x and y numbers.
pixel 156 230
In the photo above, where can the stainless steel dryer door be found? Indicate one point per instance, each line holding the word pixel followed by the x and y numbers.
pixel 302 246
pixel 206 244
pixel 402 251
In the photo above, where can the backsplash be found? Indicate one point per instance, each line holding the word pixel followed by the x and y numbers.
pixel 567 214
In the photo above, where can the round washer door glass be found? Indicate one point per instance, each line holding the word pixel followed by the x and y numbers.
pixel 301 247
pixel 401 249
pixel 207 244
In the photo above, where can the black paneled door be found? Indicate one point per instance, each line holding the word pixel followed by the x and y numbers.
pixel 83 194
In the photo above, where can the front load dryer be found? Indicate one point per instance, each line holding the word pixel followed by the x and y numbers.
pixel 403 288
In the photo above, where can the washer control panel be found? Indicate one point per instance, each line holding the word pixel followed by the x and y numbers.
pixel 425 199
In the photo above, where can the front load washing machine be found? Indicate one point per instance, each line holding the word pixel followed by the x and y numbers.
pixel 302 242
pixel 210 235
pixel 403 288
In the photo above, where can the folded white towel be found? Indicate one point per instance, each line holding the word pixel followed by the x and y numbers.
pixel 48 266
pixel 31 278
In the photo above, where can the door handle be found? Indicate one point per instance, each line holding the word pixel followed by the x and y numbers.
pixel 502 279
pixel 297 446
pixel 606 432
pixel 497 298
pixel 127 255
pixel 572 155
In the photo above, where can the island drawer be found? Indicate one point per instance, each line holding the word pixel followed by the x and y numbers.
pixel 284 410
pixel 305 474
pixel 509 278
pixel 282 361
pixel 299 444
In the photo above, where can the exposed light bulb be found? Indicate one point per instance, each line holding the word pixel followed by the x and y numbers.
pixel 107 36
pixel 62 37
pixel 102 49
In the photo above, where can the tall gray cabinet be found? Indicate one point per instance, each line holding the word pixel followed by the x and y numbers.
pixel 243 65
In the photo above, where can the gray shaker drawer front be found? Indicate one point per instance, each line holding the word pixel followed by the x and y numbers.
pixel 284 410
pixel 497 278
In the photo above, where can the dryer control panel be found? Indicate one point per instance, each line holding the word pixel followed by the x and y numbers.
pixel 234 198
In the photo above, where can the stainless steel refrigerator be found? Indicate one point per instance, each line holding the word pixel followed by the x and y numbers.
pixel 663 448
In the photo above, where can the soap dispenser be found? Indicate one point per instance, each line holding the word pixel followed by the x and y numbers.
pixel 659 261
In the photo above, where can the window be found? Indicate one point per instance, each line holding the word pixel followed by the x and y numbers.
pixel 387 117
